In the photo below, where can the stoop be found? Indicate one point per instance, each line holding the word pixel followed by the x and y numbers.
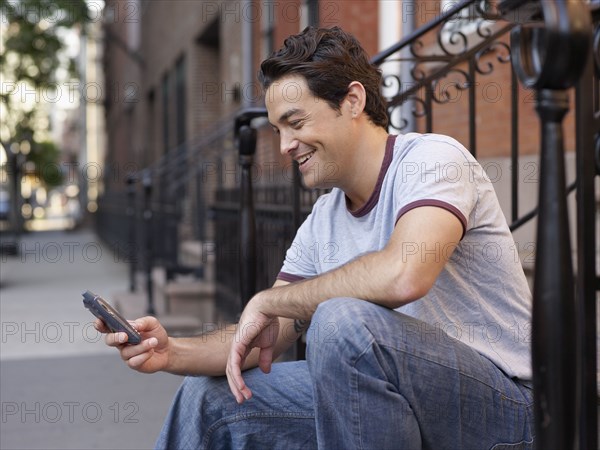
pixel 133 305
pixel 194 298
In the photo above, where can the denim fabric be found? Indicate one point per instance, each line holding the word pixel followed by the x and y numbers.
pixel 205 415
pixel 383 380
pixel 375 379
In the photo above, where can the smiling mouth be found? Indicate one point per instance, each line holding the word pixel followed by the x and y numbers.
pixel 305 158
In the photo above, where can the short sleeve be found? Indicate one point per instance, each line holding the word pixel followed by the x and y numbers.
pixel 437 172
pixel 298 263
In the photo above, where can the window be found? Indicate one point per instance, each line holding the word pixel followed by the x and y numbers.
pixel 462 30
pixel 268 29
pixel 165 112
pixel 310 14
pixel 180 104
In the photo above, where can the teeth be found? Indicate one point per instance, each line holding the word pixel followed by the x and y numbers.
pixel 305 158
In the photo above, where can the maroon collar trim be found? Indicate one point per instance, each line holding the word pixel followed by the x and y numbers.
pixel 374 198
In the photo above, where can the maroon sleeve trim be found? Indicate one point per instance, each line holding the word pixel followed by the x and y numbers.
pixel 290 278
pixel 439 204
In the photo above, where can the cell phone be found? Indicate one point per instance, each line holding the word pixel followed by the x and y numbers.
pixel 114 321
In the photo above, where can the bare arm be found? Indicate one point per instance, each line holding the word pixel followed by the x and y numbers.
pixel 207 354
pixel 405 270
pixel 199 355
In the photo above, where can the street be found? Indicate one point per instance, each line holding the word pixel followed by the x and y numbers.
pixel 60 386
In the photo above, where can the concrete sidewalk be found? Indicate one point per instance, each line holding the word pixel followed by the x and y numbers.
pixel 60 386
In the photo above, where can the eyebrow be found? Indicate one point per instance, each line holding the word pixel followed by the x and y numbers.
pixel 289 113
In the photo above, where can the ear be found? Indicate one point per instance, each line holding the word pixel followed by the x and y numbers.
pixel 356 98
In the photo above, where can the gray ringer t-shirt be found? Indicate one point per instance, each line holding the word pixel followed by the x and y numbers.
pixel 481 297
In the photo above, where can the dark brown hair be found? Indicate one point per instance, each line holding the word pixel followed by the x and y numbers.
pixel 329 59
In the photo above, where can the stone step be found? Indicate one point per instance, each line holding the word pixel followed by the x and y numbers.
pixel 199 254
pixel 190 289
pixel 133 305
pixel 194 298
pixel 183 325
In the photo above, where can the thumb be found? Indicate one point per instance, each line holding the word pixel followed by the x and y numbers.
pixel 265 359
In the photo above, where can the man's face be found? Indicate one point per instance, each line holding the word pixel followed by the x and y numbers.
pixel 311 132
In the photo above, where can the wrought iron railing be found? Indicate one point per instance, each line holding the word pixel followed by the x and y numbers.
pixel 557 47
pixel 165 204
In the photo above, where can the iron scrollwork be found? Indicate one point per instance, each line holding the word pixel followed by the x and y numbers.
pixel 441 93
pixel 419 109
pixel 502 51
pixel 440 54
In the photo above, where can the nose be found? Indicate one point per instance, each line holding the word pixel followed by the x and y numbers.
pixel 287 143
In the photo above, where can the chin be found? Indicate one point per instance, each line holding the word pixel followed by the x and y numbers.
pixel 319 175
pixel 309 182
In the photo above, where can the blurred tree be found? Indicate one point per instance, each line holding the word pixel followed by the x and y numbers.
pixel 31 54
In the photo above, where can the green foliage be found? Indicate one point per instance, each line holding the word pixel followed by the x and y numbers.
pixel 31 52
pixel 32 35
pixel 44 155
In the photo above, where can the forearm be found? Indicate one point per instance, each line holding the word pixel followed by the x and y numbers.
pixel 200 355
pixel 207 354
pixel 372 277
pixel 390 277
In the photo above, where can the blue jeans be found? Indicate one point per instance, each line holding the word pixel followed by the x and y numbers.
pixel 367 383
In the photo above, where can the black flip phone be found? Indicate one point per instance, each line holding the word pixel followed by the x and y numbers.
pixel 113 320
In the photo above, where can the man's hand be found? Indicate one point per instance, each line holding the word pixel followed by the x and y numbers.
pixel 255 329
pixel 150 355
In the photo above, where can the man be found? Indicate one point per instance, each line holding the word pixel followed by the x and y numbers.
pixel 406 272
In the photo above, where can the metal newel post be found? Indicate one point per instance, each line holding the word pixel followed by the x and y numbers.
pixel 587 137
pixel 147 183
pixel 550 58
pixel 132 242
pixel 553 320
pixel 247 148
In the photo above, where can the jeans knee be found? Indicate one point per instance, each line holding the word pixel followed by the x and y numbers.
pixel 340 311
pixel 330 321
pixel 343 315
pixel 338 330
pixel 197 387
pixel 207 395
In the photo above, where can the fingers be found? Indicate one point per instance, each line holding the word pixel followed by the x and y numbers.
pixel 145 324
pixel 259 331
pixel 137 355
pixel 238 387
pixel 101 326
pixel 150 354
pixel 142 325
pixel 265 358
pixel 115 339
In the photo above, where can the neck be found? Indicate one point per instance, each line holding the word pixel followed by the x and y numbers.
pixel 366 163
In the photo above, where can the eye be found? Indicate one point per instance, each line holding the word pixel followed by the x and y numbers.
pixel 296 124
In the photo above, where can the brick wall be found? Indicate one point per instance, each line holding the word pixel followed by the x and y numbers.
pixel 121 95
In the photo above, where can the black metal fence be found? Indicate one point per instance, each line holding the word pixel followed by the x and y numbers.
pixel 156 210
pixel 275 221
